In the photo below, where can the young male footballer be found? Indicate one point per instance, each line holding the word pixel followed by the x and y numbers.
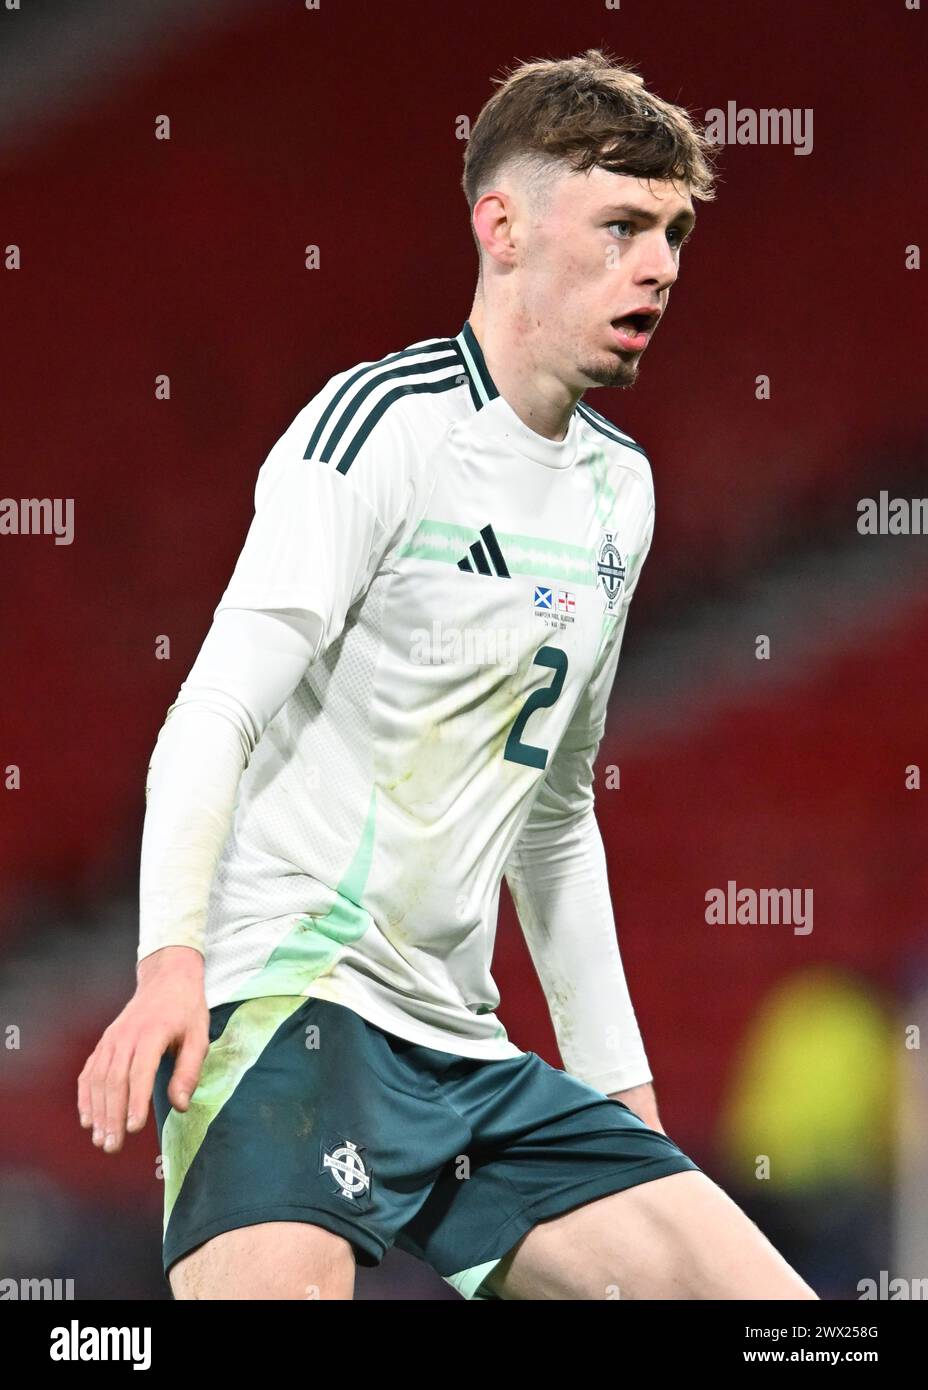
pixel 399 702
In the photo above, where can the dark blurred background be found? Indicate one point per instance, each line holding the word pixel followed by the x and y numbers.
pixel 337 127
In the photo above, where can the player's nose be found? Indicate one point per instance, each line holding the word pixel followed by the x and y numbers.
pixel 657 264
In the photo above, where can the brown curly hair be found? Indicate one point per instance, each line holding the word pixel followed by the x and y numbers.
pixel 585 111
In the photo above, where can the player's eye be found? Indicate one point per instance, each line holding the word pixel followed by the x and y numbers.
pixel 627 225
pixel 676 237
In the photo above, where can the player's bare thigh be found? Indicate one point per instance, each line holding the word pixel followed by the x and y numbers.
pixel 677 1237
pixel 276 1259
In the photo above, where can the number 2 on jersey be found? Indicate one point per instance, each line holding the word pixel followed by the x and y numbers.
pixel 516 751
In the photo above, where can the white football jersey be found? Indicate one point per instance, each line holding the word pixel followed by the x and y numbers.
pixel 473 580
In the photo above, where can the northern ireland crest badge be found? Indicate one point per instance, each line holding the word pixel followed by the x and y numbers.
pixel 610 567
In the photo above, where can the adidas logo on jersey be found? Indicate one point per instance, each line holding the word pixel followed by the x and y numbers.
pixel 485 558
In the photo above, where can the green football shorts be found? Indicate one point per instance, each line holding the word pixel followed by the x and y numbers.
pixel 307 1112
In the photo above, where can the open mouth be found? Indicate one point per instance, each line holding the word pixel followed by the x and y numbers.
pixel 636 323
pixel 633 331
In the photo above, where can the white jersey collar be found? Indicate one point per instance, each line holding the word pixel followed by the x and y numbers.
pixel 553 453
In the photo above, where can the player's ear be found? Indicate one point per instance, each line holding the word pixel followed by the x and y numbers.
pixel 492 223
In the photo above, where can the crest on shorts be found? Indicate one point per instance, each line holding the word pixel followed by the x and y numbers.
pixel 610 567
pixel 342 1160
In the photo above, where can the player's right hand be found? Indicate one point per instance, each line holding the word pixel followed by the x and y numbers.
pixel 167 1013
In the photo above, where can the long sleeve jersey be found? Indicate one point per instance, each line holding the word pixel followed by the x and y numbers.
pixel 400 701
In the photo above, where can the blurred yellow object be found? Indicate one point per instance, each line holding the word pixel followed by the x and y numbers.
pixel 814 1088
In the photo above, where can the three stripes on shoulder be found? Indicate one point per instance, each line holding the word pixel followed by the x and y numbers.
pixel 367 393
